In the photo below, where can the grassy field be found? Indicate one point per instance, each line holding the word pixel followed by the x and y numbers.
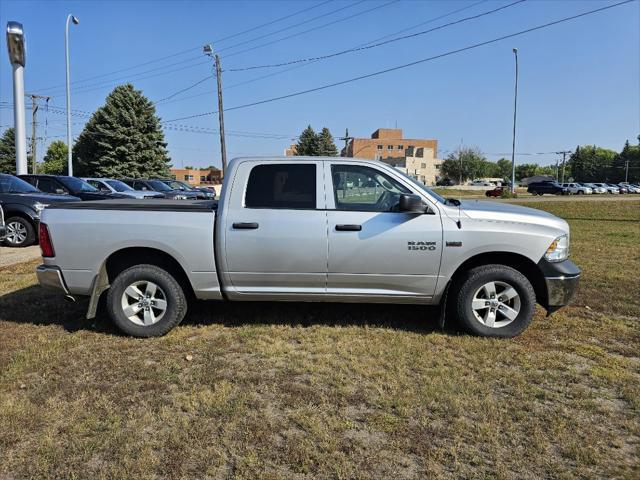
pixel 332 391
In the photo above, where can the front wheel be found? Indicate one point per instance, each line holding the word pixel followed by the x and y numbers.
pixel 146 301
pixel 494 301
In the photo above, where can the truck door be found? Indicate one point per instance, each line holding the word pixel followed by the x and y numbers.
pixel 374 250
pixel 275 228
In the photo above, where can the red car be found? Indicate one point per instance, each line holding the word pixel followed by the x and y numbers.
pixel 496 192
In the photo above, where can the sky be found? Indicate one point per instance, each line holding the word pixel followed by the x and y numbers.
pixel 579 81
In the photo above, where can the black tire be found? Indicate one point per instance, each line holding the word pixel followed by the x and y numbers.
pixel 26 226
pixel 473 280
pixel 580 192
pixel 176 302
pixel 533 192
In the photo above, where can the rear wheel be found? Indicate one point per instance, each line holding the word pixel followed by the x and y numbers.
pixel 495 301
pixel 20 232
pixel 146 301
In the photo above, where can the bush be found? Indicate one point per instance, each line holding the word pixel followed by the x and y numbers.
pixel 506 193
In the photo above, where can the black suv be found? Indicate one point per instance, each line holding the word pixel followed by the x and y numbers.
pixel 160 186
pixel 62 184
pixel 185 187
pixel 22 204
pixel 540 188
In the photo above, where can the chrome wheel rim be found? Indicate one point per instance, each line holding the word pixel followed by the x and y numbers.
pixel 495 304
pixel 16 233
pixel 144 303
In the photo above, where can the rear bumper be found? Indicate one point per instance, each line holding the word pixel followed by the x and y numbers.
pixel 51 277
pixel 561 279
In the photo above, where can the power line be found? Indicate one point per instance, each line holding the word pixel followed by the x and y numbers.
pixel 272 22
pixel 262 77
pixel 183 90
pixel 410 64
pixel 312 29
pixel 173 55
pixel 375 45
pixel 293 26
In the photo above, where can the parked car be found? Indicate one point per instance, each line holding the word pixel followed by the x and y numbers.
pixel 608 188
pixel 65 185
pixel 146 185
pixel 577 189
pixel 594 188
pixel 620 189
pixel 282 231
pixel 540 188
pixel 185 187
pixel 496 192
pixel 481 183
pixel 210 190
pixel 117 186
pixel 22 204
pixel 629 187
pixel 445 182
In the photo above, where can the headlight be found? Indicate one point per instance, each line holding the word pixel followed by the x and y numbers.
pixel 39 207
pixel 180 197
pixel 558 250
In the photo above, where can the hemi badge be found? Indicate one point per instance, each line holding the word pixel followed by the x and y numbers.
pixel 454 244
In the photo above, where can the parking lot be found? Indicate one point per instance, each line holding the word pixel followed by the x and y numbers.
pixel 336 391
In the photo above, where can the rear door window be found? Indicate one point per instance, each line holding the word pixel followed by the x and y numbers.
pixel 50 186
pixel 284 185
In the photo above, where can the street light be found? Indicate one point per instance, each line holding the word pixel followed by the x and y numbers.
pixel 513 145
pixel 17 56
pixel 66 51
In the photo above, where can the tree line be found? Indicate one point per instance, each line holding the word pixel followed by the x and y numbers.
pixel 587 163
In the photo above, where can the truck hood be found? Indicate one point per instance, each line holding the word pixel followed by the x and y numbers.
pixel 505 212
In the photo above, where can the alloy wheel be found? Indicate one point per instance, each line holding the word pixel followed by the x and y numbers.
pixel 496 304
pixel 16 233
pixel 144 303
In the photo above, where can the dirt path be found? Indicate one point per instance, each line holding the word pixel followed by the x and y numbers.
pixel 12 256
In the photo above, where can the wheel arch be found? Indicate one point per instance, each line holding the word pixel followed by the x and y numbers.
pixel 516 261
pixel 124 258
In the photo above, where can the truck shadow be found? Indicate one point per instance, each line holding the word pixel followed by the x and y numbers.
pixel 36 306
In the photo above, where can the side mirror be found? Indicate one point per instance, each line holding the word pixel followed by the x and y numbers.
pixel 105 189
pixel 411 203
pixel 60 191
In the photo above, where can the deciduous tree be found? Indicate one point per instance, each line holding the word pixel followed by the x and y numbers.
pixel 55 160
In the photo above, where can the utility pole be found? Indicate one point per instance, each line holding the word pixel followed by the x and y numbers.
pixel 208 50
pixel 564 155
pixel 626 170
pixel 34 122
pixel 513 145
pixel 346 139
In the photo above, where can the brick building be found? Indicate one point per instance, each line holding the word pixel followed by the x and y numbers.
pixel 198 176
pixel 420 163
pixel 386 144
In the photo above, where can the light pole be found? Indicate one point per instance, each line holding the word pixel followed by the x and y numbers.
pixel 66 56
pixel 17 56
pixel 513 145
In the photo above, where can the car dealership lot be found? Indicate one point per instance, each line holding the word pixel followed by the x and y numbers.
pixel 340 391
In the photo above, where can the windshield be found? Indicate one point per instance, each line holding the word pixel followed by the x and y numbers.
pixel 158 186
pixel 423 187
pixel 177 185
pixel 119 186
pixel 10 184
pixel 76 185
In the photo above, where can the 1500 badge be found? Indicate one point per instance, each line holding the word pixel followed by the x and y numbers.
pixel 429 246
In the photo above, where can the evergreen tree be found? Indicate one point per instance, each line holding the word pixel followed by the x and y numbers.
pixel 55 160
pixel 307 143
pixel 8 151
pixel 326 147
pixel 123 138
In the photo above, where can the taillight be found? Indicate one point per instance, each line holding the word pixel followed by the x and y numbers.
pixel 46 246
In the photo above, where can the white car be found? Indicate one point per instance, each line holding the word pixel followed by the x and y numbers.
pixel 607 187
pixel 481 183
pixel 630 188
pixel 577 189
pixel 594 188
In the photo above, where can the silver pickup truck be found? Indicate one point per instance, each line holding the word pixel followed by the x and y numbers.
pixel 310 229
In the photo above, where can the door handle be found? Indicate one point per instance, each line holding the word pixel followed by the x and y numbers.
pixel 348 228
pixel 245 226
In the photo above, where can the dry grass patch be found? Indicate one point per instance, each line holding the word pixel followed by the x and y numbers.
pixel 331 391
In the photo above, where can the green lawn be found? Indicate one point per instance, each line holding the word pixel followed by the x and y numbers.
pixel 332 391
